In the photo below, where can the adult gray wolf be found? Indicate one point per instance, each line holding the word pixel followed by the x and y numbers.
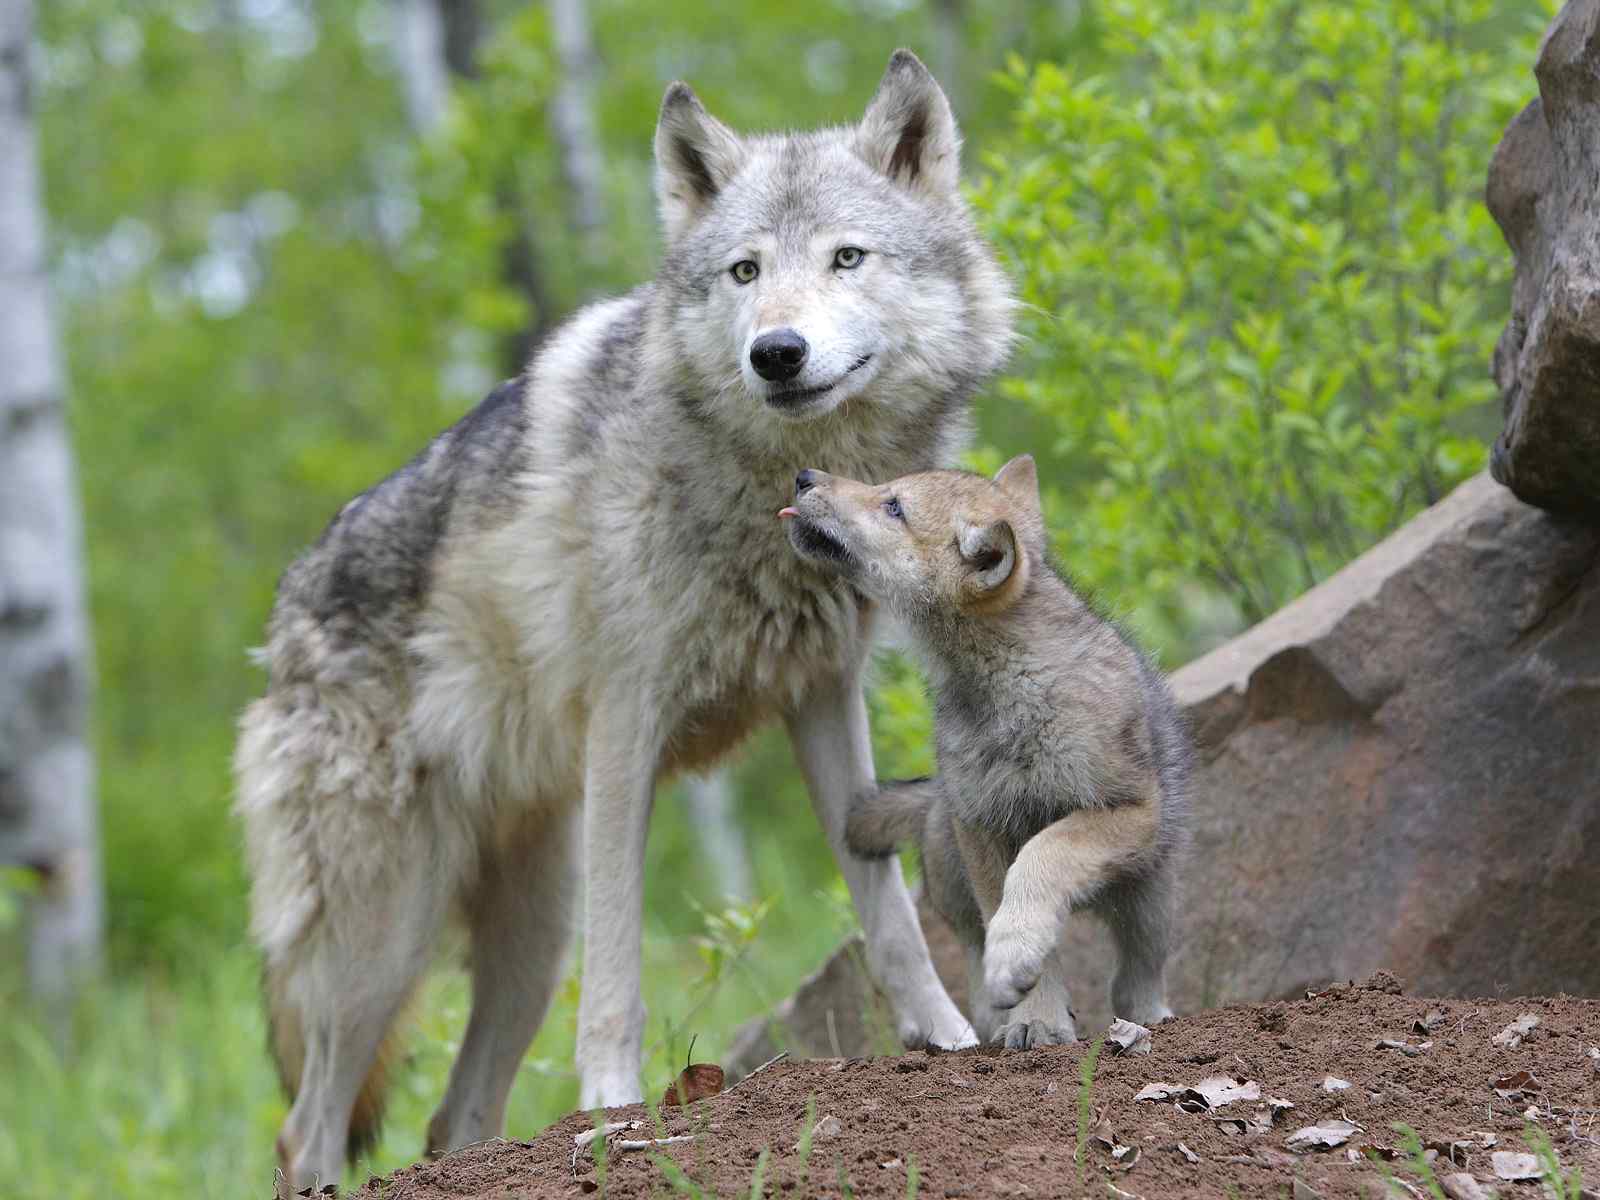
pixel 481 670
pixel 1063 764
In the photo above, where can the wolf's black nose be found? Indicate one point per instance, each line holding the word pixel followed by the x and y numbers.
pixel 779 355
pixel 805 481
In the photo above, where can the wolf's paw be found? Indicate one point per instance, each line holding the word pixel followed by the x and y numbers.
pixel 952 1032
pixel 1013 960
pixel 1025 1035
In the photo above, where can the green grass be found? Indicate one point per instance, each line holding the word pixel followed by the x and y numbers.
pixel 170 1089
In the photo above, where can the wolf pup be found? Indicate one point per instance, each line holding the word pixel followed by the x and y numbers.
pixel 482 669
pixel 1063 765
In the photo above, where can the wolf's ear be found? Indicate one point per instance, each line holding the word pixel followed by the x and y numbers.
pixel 1019 479
pixel 908 132
pixel 999 570
pixel 696 155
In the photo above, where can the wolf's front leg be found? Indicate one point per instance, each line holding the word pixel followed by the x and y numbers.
pixel 834 749
pixel 618 787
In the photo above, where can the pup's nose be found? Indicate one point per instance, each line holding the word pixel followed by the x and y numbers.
pixel 805 481
pixel 778 355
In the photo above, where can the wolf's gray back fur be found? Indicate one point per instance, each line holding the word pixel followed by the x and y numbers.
pixel 479 671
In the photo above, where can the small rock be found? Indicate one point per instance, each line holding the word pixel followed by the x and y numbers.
pixel 905 1063
pixel 1188 1153
pixel 1462 1186
pixel 1332 1083
pixel 1508 1164
pixel 828 1127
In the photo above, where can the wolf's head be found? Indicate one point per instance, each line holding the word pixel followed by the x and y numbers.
pixel 808 271
pixel 938 542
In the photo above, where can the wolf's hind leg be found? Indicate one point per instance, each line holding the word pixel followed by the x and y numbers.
pixel 834 749
pixel 520 918
pixel 344 992
pixel 1060 867
pixel 1140 914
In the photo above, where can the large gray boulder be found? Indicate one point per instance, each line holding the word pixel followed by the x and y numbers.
pixel 1400 769
pixel 1544 190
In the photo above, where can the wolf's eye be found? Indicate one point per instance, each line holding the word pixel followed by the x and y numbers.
pixel 848 257
pixel 744 270
pixel 892 507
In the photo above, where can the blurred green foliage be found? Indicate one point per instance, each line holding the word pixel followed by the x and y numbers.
pixel 1264 285
pixel 1263 296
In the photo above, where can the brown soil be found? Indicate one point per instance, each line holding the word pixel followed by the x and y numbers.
pixel 999 1123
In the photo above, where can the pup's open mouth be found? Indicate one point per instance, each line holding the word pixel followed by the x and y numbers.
pixel 814 542
pixel 794 397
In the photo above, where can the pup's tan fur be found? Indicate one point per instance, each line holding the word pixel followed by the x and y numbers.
pixel 1063 764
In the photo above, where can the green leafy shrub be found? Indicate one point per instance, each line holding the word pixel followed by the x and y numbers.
pixel 1263 286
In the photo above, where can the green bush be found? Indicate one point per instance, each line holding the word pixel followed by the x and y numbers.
pixel 1263 288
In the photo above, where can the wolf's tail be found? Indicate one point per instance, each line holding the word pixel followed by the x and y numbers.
pixel 286 1040
pixel 889 817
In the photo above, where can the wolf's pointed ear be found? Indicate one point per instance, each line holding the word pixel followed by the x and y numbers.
pixel 999 571
pixel 1019 479
pixel 908 132
pixel 696 155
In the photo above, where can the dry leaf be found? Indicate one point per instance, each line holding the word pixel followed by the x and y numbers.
pixel 1511 1036
pixel 1217 1090
pixel 1127 1038
pixel 694 1082
pixel 1430 1021
pixel 1278 1107
pixel 1405 1048
pixel 1158 1091
pixel 1324 1135
pixel 1516 1085
pixel 1508 1164
pixel 1188 1153
pixel 1332 1083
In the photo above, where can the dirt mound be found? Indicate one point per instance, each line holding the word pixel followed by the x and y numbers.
pixel 997 1123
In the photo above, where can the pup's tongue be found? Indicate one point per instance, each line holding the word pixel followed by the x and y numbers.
pixel 791 511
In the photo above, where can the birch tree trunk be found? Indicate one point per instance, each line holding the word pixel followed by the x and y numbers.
pixel 572 115
pixel 47 813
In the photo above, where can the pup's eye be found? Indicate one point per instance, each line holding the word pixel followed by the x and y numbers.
pixel 848 257
pixel 744 270
pixel 892 507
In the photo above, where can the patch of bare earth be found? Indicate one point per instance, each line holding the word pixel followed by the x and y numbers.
pixel 1006 1123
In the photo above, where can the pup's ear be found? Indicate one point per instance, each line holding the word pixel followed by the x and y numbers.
pixel 696 156
pixel 908 132
pixel 1019 479
pixel 999 571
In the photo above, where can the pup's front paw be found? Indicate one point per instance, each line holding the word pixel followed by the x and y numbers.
pixel 1013 959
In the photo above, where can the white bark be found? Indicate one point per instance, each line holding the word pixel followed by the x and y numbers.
pixel 572 114
pixel 47 812
pixel 419 51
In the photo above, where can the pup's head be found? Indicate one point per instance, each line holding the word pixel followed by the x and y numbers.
pixel 805 271
pixel 938 541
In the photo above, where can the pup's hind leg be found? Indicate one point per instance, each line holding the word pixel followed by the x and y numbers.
pixel 1060 867
pixel 1140 913
pixel 520 918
